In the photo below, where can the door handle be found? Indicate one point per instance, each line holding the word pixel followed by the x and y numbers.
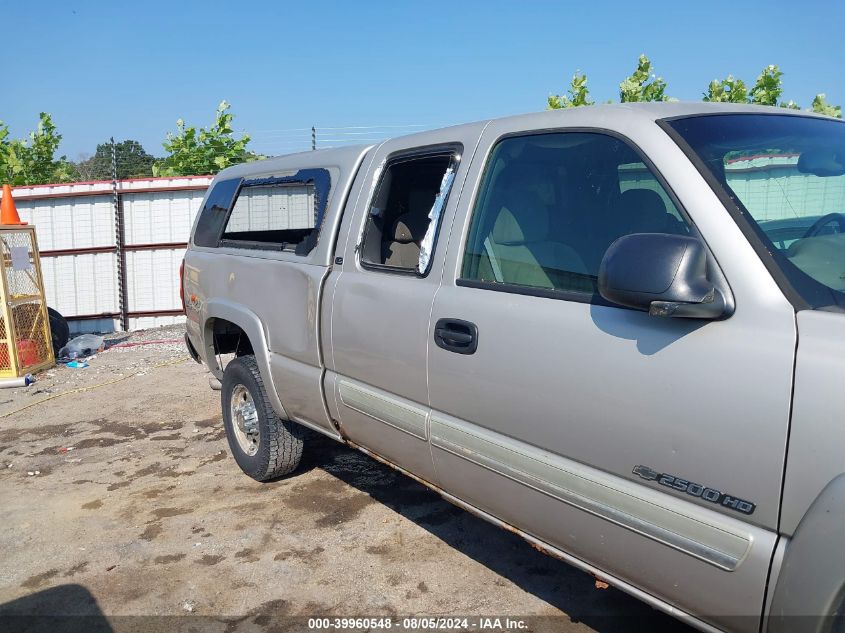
pixel 456 335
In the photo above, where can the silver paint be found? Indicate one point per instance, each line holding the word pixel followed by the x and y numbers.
pixel 561 399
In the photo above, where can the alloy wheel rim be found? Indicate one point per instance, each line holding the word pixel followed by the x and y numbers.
pixel 245 420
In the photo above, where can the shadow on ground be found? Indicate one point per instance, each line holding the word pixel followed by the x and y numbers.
pixel 557 583
pixel 79 609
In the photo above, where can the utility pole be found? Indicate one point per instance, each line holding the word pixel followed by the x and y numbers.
pixel 313 138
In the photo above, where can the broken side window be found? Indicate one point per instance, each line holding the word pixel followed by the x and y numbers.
pixel 404 215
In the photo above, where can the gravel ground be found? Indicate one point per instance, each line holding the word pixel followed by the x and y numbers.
pixel 122 500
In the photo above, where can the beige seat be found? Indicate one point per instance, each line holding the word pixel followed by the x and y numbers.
pixel 518 249
pixel 403 250
pixel 402 247
pixel 635 211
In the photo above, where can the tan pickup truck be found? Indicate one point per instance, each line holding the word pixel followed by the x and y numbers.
pixel 616 330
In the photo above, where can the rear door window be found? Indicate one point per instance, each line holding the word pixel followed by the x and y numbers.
pixel 404 215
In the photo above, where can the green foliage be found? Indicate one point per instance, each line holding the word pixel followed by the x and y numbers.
pixel 766 91
pixel 32 161
pixel 643 85
pixel 204 151
pixel 578 95
pixel 768 87
pixel 821 106
pixel 132 162
pixel 728 90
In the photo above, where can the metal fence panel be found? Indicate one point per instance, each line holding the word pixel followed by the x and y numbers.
pixel 75 227
pixel 164 216
pixel 152 280
pixel 67 223
pixel 80 285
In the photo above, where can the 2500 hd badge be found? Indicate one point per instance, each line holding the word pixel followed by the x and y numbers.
pixel 695 490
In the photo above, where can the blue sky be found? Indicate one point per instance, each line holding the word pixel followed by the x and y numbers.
pixel 129 70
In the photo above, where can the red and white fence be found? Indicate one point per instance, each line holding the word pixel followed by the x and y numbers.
pixel 110 255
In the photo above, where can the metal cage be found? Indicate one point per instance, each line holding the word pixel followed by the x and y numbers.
pixel 25 341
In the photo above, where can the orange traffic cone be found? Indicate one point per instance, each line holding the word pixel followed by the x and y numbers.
pixel 8 212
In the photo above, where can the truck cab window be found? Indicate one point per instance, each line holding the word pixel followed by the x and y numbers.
pixel 405 212
pixel 550 205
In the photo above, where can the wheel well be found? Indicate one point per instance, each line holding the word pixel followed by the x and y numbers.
pixel 230 338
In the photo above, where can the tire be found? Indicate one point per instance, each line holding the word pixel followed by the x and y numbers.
pixel 59 329
pixel 263 445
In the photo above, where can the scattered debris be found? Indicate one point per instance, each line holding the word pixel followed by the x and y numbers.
pixel 78 364
pixel 189 606
pixel 82 346
pixel 11 383
pixel 65 449
pixel 153 342
pixel 110 567
pixel 33 473
pixel 600 584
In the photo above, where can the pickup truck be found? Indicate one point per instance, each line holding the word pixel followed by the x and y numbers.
pixel 615 330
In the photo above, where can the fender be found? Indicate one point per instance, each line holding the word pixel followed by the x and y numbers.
pixel 811 583
pixel 249 322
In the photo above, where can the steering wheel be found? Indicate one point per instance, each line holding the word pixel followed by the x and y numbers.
pixel 823 221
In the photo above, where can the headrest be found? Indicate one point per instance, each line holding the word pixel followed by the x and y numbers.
pixel 642 202
pixel 523 216
pixel 410 227
pixel 523 223
pixel 517 177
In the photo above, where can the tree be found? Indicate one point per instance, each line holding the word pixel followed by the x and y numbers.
pixel 728 90
pixel 578 94
pixel 643 85
pixel 132 162
pixel 204 151
pixel 821 106
pixel 33 161
pixel 768 87
pixel 84 166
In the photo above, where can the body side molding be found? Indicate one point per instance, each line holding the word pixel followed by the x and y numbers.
pixel 399 414
pixel 697 532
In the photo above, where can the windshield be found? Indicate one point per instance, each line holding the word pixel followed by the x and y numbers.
pixel 786 175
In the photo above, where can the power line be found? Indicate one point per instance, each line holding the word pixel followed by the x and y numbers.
pixel 351 127
pixel 269 143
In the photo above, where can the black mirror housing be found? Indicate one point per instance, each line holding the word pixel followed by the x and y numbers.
pixel 662 273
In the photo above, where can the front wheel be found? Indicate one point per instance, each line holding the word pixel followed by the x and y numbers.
pixel 263 445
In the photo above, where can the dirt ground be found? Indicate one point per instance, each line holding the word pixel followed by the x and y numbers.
pixel 123 500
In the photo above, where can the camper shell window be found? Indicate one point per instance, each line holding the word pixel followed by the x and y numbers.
pixel 274 213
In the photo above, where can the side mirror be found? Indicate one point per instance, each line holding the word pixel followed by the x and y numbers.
pixel 662 273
